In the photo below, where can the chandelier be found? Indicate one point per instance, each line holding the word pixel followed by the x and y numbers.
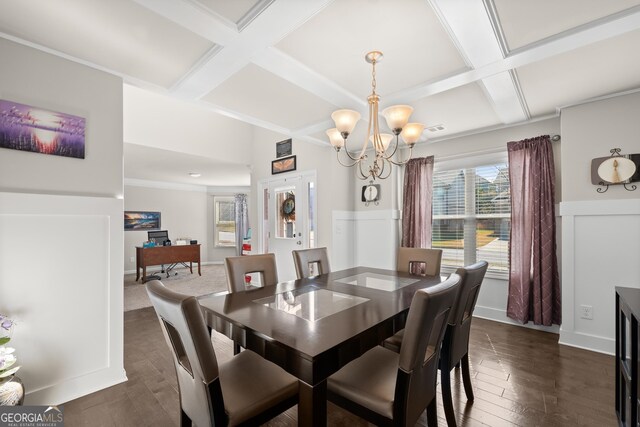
pixel 397 118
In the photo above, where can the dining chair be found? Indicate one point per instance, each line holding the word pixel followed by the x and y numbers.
pixel 311 262
pixel 387 388
pixel 237 267
pixel 408 257
pixel 246 390
pixel 455 347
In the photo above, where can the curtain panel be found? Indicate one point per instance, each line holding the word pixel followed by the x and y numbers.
pixel 416 203
pixel 242 221
pixel 534 284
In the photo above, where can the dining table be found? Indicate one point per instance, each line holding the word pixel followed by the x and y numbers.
pixel 314 326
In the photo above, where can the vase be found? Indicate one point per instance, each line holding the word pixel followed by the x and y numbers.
pixel 12 392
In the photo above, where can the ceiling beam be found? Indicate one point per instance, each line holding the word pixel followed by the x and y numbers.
pixel 279 63
pixel 473 30
pixel 266 29
pixel 584 35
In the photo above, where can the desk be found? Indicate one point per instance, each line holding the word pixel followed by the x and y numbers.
pixel 158 255
pixel 317 340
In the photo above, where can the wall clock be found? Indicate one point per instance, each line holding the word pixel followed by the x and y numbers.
pixel 371 194
pixel 615 169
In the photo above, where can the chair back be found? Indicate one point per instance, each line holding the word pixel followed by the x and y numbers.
pixel 456 343
pixel 194 359
pixel 311 262
pixel 410 259
pixel 238 267
pixel 423 334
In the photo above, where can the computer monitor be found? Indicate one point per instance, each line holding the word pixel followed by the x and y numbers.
pixel 158 237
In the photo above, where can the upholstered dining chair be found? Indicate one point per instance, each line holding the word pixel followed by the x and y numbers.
pixel 387 388
pixel 455 347
pixel 306 259
pixel 246 390
pixel 237 267
pixel 431 258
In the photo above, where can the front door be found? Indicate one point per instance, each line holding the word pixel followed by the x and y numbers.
pixel 288 206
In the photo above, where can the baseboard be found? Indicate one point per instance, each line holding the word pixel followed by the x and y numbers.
pixel 589 342
pixel 74 388
pixel 155 269
pixel 499 315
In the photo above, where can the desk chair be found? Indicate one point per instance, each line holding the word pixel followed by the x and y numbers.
pixel 308 260
pixel 387 388
pixel 410 260
pixel 455 347
pixel 159 237
pixel 247 390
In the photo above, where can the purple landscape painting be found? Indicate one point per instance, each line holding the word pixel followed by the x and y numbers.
pixel 41 131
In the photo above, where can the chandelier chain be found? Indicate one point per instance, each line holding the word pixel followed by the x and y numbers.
pixel 373 76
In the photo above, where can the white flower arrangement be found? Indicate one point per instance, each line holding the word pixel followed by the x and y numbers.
pixel 7 358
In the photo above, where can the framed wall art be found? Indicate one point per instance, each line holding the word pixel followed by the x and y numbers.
pixel 37 130
pixel 283 148
pixel 141 221
pixel 286 164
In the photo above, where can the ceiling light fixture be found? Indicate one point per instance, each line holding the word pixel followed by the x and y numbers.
pixel 195 174
pixel 397 118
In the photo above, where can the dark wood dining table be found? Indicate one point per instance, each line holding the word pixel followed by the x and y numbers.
pixel 313 327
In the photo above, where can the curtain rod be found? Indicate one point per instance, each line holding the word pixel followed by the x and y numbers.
pixel 555 138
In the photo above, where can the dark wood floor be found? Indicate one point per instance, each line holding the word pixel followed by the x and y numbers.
pixel 520 377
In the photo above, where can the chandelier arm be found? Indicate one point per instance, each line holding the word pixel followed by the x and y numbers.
pixel 395 148
pixel 346 150
pixel 362 175
pixel 400 163
pixel 382 170
pixel 345 164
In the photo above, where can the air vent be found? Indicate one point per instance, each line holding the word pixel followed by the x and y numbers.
pixel 436 128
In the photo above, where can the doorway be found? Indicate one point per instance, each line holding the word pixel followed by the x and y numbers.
pixel 288 217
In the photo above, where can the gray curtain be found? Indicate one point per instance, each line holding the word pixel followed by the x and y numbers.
pixel 242 221
pixel 534 284
pixel 416 203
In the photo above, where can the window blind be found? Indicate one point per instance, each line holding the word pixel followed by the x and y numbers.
pixel 471 216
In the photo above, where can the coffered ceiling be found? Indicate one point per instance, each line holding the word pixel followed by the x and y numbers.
pixel 286 65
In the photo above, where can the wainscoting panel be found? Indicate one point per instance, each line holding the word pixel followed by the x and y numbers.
pixel 365 238
pixel 601 250
pixel 61 280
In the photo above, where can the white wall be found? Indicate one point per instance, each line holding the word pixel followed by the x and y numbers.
pixel 61 252
pixel 187 211
pixel 183 214
pixel 163 122
pixel 334 186
pixel 601 231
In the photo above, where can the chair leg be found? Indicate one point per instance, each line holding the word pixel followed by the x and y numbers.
pixel 432 413
pixel 447 401
pixel 236 348
pixel 466 377
pixel 185 421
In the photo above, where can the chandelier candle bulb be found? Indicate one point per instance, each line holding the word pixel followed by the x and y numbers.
pixel 385 138
pixel 397 118
pixel 412 132
pixel 335 138
pixel 345 120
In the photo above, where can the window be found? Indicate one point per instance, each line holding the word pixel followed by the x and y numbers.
pixel 225 221
pixel 471 216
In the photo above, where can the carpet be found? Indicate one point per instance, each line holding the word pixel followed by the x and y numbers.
pixel 213 279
